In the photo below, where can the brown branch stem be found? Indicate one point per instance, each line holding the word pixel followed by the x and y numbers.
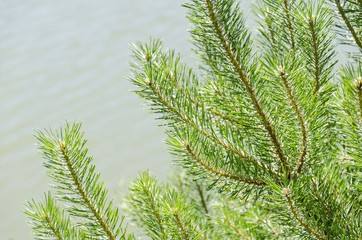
pixel 219 172
pixel 181 227
pixel 300 117
pixel 83 193
pixel 53 228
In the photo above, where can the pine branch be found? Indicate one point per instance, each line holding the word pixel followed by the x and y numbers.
pixel 296 107
pixel 317 70
pixel 218 172
pixel 223 168
pixel 161 88
pixel 313 24
pixel 202 198
pixel 298 216
pixel 158 82
pixel 242 76
pixel 351 117
pixel 145 206
pixel 349 24
pixel 48 220
pixel 289 23
pixel 317 42
pixel 277 25
pixel 244 220
pixel 162 212
pixel 77 183
pixel 238 231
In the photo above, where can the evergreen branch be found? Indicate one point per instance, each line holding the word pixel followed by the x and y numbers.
pixel 219 172
pixel 317 45
pixel 244 78
pixel 348 23
pixel 265 126
pixel 300 219
pixel 77 182
pixel 160 83
pixel 181 226
pixel 268 21
pixel 202 198
pixel 236 230
pixel 144 204
pixel 203 105
pixel 48 220
pixel 317 192
pixel 240 219
pixel 289 23
pixel 161 211
pixel 311 24
pixel 189 122
pixel 183 223
pixel 294 103
pixel 278 25
pixel 83 192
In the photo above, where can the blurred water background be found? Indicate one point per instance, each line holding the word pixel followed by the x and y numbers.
pixel 68 60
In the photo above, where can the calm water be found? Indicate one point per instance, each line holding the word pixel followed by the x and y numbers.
pixel 68 60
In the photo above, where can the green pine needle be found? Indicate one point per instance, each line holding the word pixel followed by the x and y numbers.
pixel 77 183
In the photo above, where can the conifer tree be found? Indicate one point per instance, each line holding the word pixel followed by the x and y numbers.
pixel 268 132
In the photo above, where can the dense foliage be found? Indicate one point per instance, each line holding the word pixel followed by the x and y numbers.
pixel 268 131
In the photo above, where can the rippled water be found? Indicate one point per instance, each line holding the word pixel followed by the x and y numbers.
pixel 68 60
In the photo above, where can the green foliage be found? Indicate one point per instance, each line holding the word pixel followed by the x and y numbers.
pixel 85 213
pixel 350 23
pixel 50 222
pixel 268 133
pixel 168 213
